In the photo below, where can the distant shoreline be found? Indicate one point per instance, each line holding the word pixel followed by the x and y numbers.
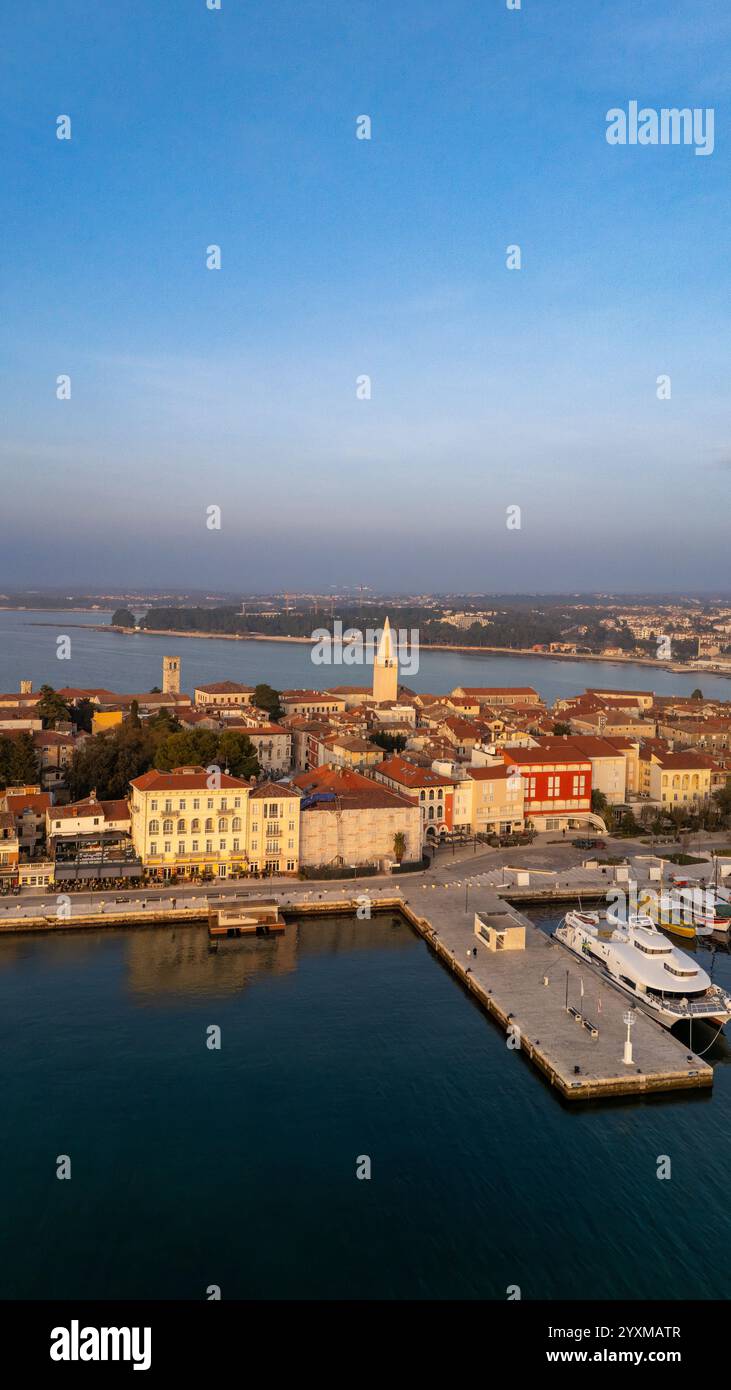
pixel 424 646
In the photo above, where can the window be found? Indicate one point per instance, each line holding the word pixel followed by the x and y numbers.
pixel 168 805
pixel 222 844
pixel 236 823
pixel 167 827
pixel 181 827
pixel 153 805
pixel 181 846
pixel 168 847
pixel 195 846
pixel 153 827
pixel 209 846
pixel 290 844
pixel 209 803
pixel 196 803
pixel 223 824
pixel 254 844
pixel 153 849
pixel 209 824
pixel 195 826
pixel 290 866
pixel 237 802
pixel 237 845
pixel 182 804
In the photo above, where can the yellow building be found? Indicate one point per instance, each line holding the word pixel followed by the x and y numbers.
pixel 489 801
pixel 9 846
pixel 273 835
pixel 677 779
pixel 190 821
pixel 105 719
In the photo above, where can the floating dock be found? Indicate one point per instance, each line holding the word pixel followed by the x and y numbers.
pixel 255 917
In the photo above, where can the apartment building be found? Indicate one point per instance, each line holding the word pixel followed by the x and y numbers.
pixel 557 787
pixel 273 832
pixel 189 821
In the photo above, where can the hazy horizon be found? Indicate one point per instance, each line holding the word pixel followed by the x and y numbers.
pixel 341 257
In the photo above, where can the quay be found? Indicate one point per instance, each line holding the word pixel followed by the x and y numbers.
pixel 561 1016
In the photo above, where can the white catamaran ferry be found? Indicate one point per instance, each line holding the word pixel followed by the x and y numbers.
pixel 661 979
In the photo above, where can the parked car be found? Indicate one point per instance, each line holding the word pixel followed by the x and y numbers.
pixel 589 843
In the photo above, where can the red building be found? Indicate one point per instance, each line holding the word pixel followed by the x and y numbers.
pixel 557 788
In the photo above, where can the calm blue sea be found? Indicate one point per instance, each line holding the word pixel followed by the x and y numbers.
pixel 237 1167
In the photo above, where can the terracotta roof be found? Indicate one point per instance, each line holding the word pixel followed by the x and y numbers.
pixel 354 792
pixel 410 775
pixel 36 801
pixel 184 779
pixel 225 688
pixel 272 789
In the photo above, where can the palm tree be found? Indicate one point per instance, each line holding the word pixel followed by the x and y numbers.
pixel 399 845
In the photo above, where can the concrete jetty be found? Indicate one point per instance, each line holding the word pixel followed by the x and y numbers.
pixel 526 992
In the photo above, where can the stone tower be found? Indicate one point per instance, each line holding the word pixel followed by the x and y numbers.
pixel 171 675
pixel 385 667
pixel 26 687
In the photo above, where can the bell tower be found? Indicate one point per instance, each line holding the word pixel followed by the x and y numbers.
pixel 171 675
pixel 385 667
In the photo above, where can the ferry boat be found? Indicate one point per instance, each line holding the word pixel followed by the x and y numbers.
pixel 681 912
pixel 659 978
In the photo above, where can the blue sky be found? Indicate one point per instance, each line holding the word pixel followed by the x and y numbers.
pixel 490 388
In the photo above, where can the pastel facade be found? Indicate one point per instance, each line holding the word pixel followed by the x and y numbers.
pixel 189 822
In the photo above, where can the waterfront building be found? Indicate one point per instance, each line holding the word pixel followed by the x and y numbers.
pixel 189 821
pixel 348 820
pixel 679 778
pixel 608 764
pixel 385 668
pixel 28 810
pixel 87 817
pixel 557 788
pixel 9 847
pixel 489 801
pixel 273 828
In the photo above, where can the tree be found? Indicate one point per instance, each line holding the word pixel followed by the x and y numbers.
pixel 560 728
pixel 23 767
pixel 189 748
pixel 399 846
pixel 267 699
pixel 134 715
pixel 237 753
pixel 51 708
pixel 696 694
pixel 82 714
pixel 392 743
pixel 123 618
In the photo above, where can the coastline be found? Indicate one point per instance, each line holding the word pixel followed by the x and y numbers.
pixel 648 661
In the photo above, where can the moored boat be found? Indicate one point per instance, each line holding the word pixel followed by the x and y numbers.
pixel 660 978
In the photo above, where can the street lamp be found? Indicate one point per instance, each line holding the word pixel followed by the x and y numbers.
pixel 630 1020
